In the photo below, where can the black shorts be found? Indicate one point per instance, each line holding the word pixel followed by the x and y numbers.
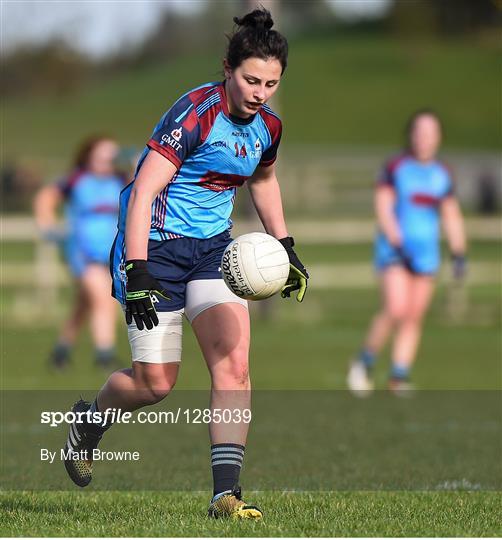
pixel 173 263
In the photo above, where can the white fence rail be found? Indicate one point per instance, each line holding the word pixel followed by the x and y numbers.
pixel 37 284
pixel 23 229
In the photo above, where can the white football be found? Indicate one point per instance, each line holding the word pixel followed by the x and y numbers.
pixel 255 266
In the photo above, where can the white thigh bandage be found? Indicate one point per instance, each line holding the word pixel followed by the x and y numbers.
pixel 201 294
pixel 161 344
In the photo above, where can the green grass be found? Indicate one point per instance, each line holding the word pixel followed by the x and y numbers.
pixel 479 250
pixel 304 347
pixel 327 328
pixel 286 514
pixel 367 87
pixel 363 87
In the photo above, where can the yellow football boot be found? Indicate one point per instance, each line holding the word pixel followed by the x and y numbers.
pixel 231 505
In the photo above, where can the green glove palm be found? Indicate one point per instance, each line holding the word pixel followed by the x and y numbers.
pixel 298 275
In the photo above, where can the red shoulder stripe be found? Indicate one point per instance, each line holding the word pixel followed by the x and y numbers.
pixel 394 162
pixel 166 151
pixel 206 121
pixel 273 124
pixel 197 96
pixel 191 121
pixel 67 185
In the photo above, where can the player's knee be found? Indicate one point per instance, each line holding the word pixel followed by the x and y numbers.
pixel 156 390
pixel 414 317
pixel 383 317
pixel 232 372
pixel 158 393
pixel 154 382
pixel 397 312
pixel 231 380
pixel 239 374
pixel 228 346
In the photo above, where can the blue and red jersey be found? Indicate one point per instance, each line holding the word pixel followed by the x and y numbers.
pixel 91 211
pixel 214 153
pixel 420 188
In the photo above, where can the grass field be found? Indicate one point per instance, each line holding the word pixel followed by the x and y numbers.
pixel 286 514
pixel 480 250
pixel 301 347
pixel 327 328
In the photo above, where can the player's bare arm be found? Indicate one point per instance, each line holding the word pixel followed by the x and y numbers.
pixel 45 205
pixel 453 224
pixel 155 173
pixel 266 195
pixel 385 199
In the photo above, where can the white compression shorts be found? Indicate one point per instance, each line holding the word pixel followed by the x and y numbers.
pixel 162 344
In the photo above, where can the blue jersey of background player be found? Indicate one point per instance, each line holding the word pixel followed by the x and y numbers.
pixel 92 208
pixel 414 196
pixel 90 196
pixel 419 190
pixel 215 153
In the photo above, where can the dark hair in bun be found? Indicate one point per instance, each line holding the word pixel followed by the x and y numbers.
pixel 259 18
pixel 254 38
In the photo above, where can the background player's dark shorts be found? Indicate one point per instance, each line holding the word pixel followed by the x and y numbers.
pixel 176 262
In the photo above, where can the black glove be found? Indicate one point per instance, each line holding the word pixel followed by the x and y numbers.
pixel 140 285
pixel 298 275
pixel 459 265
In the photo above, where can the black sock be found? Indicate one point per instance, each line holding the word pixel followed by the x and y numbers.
pixel 105 357
pixel 226 462
pixel 61 352
pixel 94 427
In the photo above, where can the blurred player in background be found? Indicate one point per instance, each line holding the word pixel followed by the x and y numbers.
pixel 173 229
pixel 414 193
pixel 90 194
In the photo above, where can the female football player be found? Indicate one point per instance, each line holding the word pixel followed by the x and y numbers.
pixel 90 194
pixel 414 192
pixel 173 229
